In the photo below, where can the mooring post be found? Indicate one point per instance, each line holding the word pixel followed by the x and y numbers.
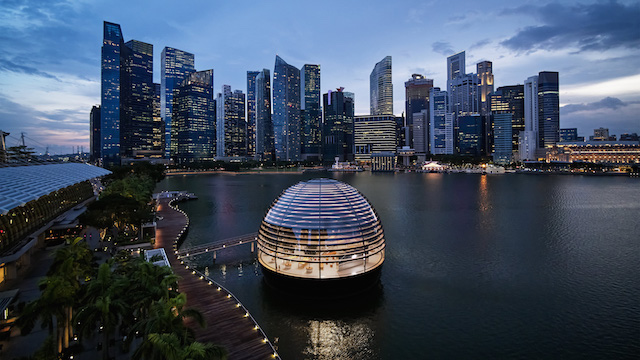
pixel 214 256
pixel 252 245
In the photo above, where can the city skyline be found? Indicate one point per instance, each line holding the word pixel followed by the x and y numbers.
pixel 50 70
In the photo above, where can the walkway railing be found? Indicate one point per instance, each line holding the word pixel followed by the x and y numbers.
pixel 211 282
pixel 218 245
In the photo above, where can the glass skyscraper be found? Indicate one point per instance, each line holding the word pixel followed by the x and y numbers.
pixel 231 124
pixel 374 135
pixel 470 135
pixel 510 99
pixel 175 67
pixel 112 44
pixel 136 96
pixel 381 88
pixel 251 112
pixel 416 100
pixel 286 111
pixel 194 118
pixel 127 125
pixel 311 131
pixel 440 123
pixel 337 134
pixel 264 126
pixel 548 109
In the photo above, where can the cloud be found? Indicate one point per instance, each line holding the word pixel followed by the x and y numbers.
pixel 587 27
pixel 610 103
pixel 8 65
pixel 442 47
pixel 480 44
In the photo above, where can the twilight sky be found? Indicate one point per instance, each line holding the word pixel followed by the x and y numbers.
pixel 50 57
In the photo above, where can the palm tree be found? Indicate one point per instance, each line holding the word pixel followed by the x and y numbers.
pixel 104 306
pixel 166 317
pixel 171 348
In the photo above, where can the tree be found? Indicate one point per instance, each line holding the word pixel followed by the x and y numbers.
pixel 104 306
pixel 166 317
pixel 170 347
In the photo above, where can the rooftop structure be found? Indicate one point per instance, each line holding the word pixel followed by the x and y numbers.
pixel 321 229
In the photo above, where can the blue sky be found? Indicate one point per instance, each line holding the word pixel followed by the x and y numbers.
pixel 50 58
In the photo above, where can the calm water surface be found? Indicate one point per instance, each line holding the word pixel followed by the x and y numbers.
pixel 502 266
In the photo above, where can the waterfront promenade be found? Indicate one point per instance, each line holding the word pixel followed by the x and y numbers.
pixel 228 323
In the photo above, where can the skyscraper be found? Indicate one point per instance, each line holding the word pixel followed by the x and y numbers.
pixel 440 123
pixel 158 127
pixel 381 88
pixel 286 110
pixel 112 44
pixel 94 133
pixel 455 67
pixel 251 112
pixel 416 99
pixel 421 132
pixel 311 130
pixel 548 109
pixel 485 78
pixel 127 95
pixel 337 134
pixel 264 127
pixel 528 139
pixel 194 118
pixel 137 94
pixel 502 137
pixel 231 123
pixel 509 99
pixel 175 67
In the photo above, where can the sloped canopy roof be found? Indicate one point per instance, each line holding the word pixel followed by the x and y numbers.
pixel 21 184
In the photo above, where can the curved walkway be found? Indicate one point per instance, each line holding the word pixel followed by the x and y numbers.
pixel 228 323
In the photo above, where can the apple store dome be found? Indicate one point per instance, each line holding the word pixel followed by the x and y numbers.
pixel 321 229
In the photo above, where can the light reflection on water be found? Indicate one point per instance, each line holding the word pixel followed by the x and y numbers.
pixel 495 266
pixel 335 339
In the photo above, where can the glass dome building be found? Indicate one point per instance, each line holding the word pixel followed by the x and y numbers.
pixel 321 229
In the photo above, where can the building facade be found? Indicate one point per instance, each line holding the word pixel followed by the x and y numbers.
pixel 569 135
pixel 381 88
pixel 421 132
pixel 510 99
pixel 112 44
pixel 548 108
pixel 94 133
pixel 374 135
pixel 251 112
pixel 440 123
pixel 175 66
pixel 286 111
pixel 528 139
pixel 231 125
pixel 337 133
pixel 311 115
pixel 485 78
pixel 502 137
pixel 416 99
pixel 264 127
pixel 470 135
pixel 194 118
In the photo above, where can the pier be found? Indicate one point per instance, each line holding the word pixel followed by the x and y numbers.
pixel 229 323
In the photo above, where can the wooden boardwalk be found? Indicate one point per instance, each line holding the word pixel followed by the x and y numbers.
pixel 228 323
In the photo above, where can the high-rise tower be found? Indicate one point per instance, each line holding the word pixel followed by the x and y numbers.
pixel 175 67
pixel 548 109
pixel 264 126
pixel 251 112
pixel 286 110
pixel 311 116
pixel 528 139
pixel 381 88
pixel 231 124
pixel 112 44
pixel 194 118
pixel 337 134
pixel 416 100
